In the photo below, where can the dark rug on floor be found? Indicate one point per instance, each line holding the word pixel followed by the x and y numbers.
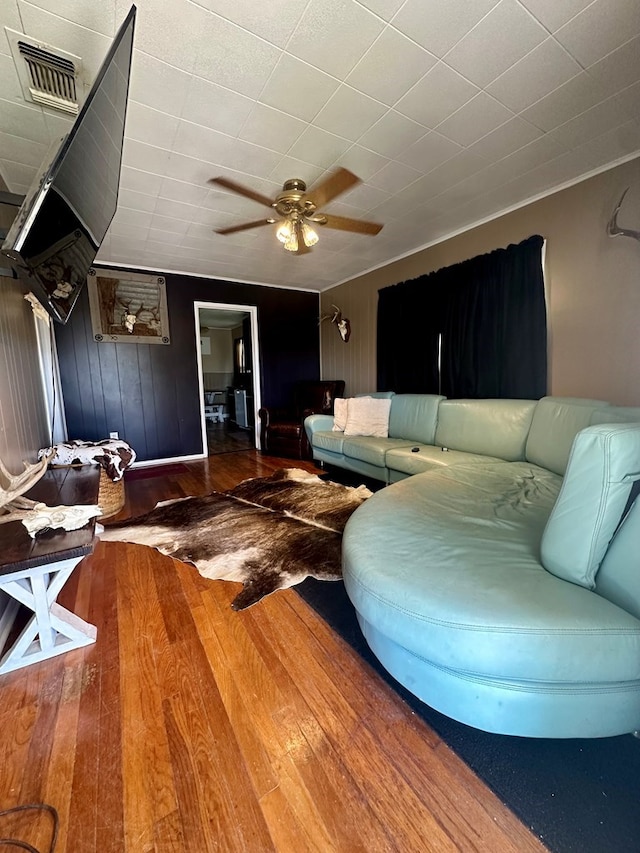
pixel 155 471
pixel 578 796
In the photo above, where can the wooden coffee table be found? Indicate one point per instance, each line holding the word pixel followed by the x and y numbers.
pixel 34 571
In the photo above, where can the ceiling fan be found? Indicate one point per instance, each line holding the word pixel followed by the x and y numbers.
pixel 297 208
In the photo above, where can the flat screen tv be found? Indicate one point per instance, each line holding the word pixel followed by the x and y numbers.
pixel 62 221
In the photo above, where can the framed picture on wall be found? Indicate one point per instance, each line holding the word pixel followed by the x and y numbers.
pixel 128 307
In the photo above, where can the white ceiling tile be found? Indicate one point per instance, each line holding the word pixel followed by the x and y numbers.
pixel 176 209
pixel 25 121
pixel 22 150
pixel 213 106
pixel 461 166
pixel 91 46
pixel 475 119
pixel 362 162
pixel 364 197
pixel 394 177
pixel 141 181
pixel 429 152
pixel 211 146
pixel 9 17
pixel 168 223
pixel 392 134
pixel 10 88
pixel 541 71
pixel 436 96
pixel 297 88
pixel 158 85
pixel 333 35
pixel 220 54
pixel 602 27
pixel 318 147
pixel 271 128
pixel 100 17
pixel 372 74
pixel 182 191
pixel 147 158
pixel 553 14
pixel 157 26
pixel 629 99
pixel 349 113
pixel 290 167
pixel 260 100
pixel 569 100
pixel 509 31
pixel 385 8
pixel 619 69
pixel 136 201
pixel 505 139
pixel 274 25
pixel 148 125
pixel 17 175
pixel 439 24
pixel 58 125
pixel 591 123
pixel 528 157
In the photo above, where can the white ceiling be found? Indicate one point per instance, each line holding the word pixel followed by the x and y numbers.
pixel 451 111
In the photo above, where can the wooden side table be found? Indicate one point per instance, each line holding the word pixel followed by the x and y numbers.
pixel 33 572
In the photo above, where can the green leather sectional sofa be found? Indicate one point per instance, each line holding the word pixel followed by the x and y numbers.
pixel 497 576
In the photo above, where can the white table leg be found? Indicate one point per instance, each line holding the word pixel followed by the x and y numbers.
pixel 52 629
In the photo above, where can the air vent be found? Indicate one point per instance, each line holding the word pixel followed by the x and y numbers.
pixel 52 78
pixel 48 76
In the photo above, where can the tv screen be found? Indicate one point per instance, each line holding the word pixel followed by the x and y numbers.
pixel 62 222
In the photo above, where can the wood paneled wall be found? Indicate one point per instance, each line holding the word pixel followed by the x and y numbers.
pixel 593 290
pixel 149 394
pixel 23 419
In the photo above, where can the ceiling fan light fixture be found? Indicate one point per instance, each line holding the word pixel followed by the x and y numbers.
pixel 284 231
pixel 308 235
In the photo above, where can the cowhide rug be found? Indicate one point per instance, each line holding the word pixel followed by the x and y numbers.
pixel 268 533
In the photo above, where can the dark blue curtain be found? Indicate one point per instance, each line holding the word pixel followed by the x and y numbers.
pixel 490 313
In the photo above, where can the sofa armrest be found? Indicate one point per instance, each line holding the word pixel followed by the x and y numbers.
pixel 317 423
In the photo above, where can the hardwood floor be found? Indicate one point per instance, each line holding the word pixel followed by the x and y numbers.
pixel 189 727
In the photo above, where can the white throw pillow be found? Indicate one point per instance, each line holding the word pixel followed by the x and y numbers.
pixel 368 416
pixel 340 410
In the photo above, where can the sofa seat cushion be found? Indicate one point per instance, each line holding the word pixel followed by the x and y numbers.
pixel 370 448
pixel 328 440
pixel 410 462
pixel 446 565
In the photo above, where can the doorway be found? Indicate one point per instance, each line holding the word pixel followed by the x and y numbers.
pixel 229 379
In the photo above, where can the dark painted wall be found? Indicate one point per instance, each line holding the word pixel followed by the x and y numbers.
pixel 149 393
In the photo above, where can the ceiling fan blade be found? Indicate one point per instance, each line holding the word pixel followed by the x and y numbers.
pixel 245 191
pixel 343 223
pixel 333 186
pixel 244 227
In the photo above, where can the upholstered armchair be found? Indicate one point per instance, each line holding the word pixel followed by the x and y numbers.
pixel 282 430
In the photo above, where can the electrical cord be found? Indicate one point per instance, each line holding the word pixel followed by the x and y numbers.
pixel 24 845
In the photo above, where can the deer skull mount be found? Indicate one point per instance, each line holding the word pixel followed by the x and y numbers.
pixel 614 230
pixel 343 325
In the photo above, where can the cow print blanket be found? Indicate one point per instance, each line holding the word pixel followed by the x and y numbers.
pixel 267 533
pixel 114 455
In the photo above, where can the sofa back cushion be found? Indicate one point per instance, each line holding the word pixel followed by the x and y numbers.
pixel 556 422
pixel 618 577
pixel 617 415
pixel 603 464
pixel 414 417
pixel 496 428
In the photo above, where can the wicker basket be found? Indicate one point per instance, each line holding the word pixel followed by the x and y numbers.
pixel 110 495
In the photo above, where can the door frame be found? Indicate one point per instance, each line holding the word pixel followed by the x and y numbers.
pixel 252 311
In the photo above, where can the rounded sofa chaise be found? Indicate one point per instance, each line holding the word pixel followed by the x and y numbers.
pixel 506 593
